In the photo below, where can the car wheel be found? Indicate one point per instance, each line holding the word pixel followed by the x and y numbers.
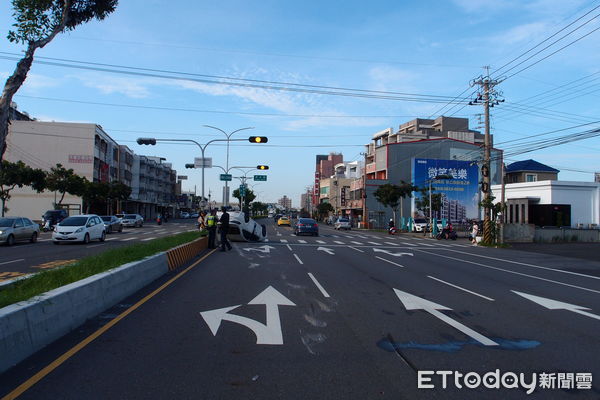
pixel 103 236
pixel 86 238
pixel 10 240
pixel 33 237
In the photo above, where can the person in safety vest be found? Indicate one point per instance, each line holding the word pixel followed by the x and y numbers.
pixel 211 224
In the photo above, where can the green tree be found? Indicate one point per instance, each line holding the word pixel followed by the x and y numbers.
pixel 324 209
pixel 64 181
pixel 118 191
pixel 258 208
pixel 248 198
pixel 389 195
pixel 18 174
pixel 93 193
pixel 37 22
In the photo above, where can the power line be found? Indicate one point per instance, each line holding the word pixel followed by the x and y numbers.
pixel 240 82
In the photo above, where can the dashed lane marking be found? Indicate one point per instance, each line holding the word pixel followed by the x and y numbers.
pixel 12 261
pixel 388 261
pixel 338 242
pixel 298 258
pixel 354 248
pixel 318 285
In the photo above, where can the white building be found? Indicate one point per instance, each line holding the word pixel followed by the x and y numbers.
pixel 522 199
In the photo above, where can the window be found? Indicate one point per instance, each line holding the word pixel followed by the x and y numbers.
pixel 530 177
pixel 18 223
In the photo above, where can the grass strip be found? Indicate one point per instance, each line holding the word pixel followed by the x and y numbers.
pixel 51 279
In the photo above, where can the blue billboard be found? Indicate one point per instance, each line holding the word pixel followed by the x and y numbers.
pixel 459 188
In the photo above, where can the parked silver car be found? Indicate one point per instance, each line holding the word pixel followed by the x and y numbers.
pixel 135 220
pixel 112 223
pixel 13 229
pixel 342 223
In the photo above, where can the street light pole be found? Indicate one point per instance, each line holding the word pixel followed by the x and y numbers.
pixel 228 135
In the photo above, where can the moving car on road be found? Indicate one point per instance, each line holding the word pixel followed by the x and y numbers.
pixel 284 221
pixel 13 229
pixel 112 223
pixel 306 225
pixel 184 215
pixel 135 220
pixel 342 223
pixel 79 228
pixel 52 217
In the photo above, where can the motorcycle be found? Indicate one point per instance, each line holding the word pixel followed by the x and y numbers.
pixel 392 230
pixel 446 234
pixel 159 220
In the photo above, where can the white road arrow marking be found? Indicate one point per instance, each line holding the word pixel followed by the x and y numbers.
pixel 265 334
pixel 263 249
pixel 326 250
pixel 391 253
pixel 557 305
pixel 412 302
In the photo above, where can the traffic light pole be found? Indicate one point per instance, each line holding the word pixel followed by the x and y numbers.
pixel 228 135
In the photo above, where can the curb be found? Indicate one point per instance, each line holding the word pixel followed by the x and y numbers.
pixel 30 325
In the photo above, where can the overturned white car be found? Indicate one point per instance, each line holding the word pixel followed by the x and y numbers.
pixel 245 229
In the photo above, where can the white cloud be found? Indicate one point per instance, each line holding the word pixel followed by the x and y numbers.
pixel 109 84
pixel 520 33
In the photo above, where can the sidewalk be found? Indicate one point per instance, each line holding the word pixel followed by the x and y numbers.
pixel 585 251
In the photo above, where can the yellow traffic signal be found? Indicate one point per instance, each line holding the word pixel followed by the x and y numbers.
pixel 258 139
pixel 262 167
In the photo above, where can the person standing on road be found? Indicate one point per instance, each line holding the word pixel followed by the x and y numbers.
pixel 211 224
pixel 201 221
pixel 474 232
pixel 224 229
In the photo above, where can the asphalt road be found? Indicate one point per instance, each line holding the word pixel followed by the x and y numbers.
pixel 26 258
pixel 347 315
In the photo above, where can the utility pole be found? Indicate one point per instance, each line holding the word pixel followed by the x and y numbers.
pixel 489 97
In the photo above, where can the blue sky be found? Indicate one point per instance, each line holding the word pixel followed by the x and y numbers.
pixel 422 47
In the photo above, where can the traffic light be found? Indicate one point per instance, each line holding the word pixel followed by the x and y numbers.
pixel 150 141
pixel 189 166
pixel 258 139
pixel 262 167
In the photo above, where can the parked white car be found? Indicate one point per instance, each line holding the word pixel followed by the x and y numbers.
pixel 420 225
pixel 79 228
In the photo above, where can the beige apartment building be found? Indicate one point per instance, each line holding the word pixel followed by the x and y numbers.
pixel 90 152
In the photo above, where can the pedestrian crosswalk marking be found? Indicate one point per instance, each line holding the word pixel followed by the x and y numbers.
pixel 301 241
pixel 409 244
pixel 338 242
pixel 320 241
pixel 374 243
pixel 283 240
pixel 355 242
pixel 392 243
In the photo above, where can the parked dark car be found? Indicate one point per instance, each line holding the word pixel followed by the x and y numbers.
pixel 13 229
pixel 112 223
pixel 51 218
pixel 306 225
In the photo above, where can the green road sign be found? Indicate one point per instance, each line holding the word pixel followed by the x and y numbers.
pixel 226 177
pixel 260 177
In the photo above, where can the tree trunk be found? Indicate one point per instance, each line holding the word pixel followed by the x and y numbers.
pixel 3 205
pixel 13 83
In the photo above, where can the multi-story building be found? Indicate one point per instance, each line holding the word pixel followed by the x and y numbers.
pixel 325 168
pixel 424 152
pixel 91 153
pixel 285 202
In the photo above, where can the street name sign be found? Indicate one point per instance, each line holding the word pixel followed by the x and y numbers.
pixel 226 177
pixel 260 178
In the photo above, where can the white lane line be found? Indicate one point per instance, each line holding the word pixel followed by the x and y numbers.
pixel 301 241
pixel 95 245
pixel 150 238
pixel 409 244
pixel 355 242
pixel 318 285
pixel 458 287
pixel 298 258
pixel 511 272
pixel 335 236
pixel 392 243
pixel 12 261
pixel 283 240
pixel 426 244
pixel 338 242
pixel 361 236
pixel 321 241
pixel 289 247
pixel 391 262
pixel 525 264
pixel 374 243
pixel 354 248
pixel 126 239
